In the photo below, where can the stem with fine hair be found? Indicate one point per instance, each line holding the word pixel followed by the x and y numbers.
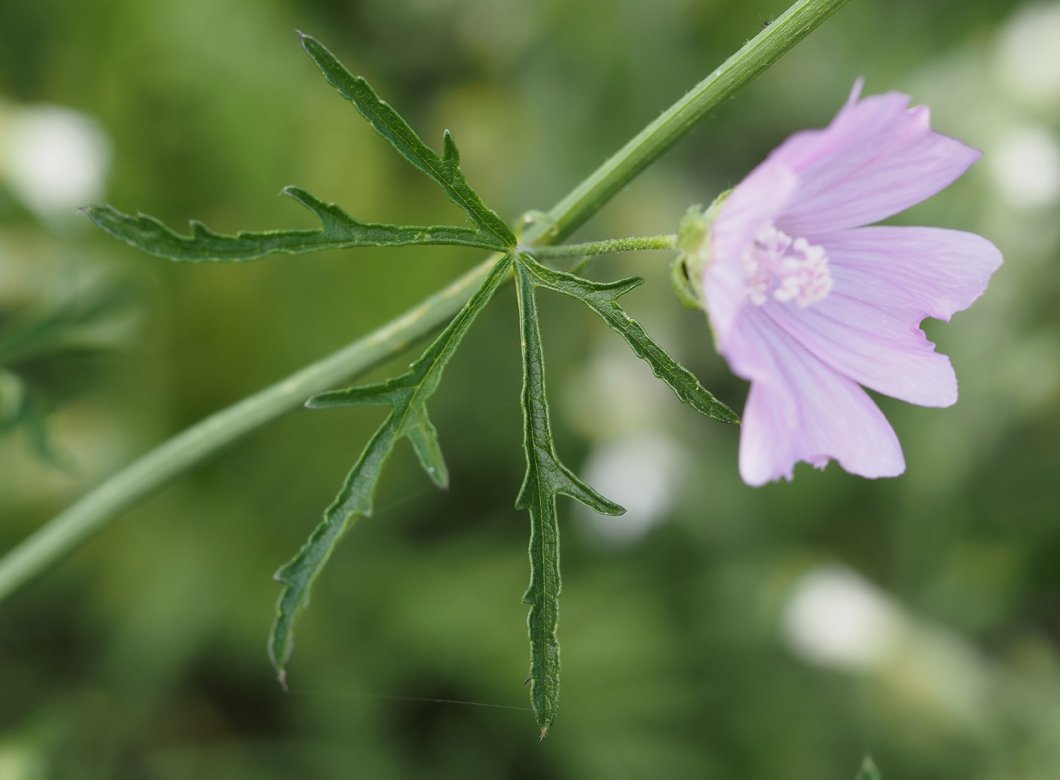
pixel 92 512
pixel 606 247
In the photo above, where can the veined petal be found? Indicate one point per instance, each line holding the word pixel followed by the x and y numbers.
pixel 912 271
pixel 810 305
pixel 753 204
pixel 875 348
pixel 878 157
pixel 886 280
pixel 800 409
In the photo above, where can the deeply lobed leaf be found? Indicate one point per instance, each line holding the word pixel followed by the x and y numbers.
pixel 445 171
pixel 602 297
pixel 33 346
pixel 338 231
pixel 546 477
pixel 407 395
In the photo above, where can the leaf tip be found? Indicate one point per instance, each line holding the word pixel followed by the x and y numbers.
pixel 623 286
pixel 95 212
pixel 723 413
pixel 869 770
pixel 281 678
pixel 543 734
pixel 450 152
pixel 310 44
pixel 318 401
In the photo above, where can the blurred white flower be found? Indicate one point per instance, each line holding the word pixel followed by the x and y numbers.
pixel 1028 54
pixel 642 472
pixel 1026 166
pixel 54 159
pixel 834 617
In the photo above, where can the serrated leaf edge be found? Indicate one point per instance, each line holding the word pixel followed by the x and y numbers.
pixel 602 298
pixel 352 502
pixel 545 479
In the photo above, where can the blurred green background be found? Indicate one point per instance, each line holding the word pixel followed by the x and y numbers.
pixel 716 631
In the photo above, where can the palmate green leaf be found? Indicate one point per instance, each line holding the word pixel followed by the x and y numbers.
pixel 602 297
pixel 61 325
pixel 868 770
pixel 445 171
pixel 407 395
pixel 32 348
pixel 546 478
pixel 338 231
pixel 23 407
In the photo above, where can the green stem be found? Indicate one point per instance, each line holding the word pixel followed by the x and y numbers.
pixel 154 469
pixel 98 507
pixel 802 18
pixel 610 246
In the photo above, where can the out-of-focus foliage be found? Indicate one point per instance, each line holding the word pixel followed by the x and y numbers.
pixel 713 631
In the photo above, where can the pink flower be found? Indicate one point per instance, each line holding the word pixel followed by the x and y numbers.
pixel 810 305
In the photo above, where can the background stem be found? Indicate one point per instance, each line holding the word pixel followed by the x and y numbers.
pixel 154 469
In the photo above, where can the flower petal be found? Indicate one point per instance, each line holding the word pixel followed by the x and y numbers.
pixel 886 281
pixel 799 409
pixel 878 157
pixel 872 346
pixel 756 202
pixel 930 272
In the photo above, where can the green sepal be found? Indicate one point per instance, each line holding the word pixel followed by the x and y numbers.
pixel 445 171
pixel 684 288
pixel 407 395
pixel 546 477
pixel 602 297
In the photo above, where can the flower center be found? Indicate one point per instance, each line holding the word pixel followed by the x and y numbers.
pixel 793 268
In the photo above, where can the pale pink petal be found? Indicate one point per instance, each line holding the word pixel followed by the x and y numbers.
pixel 800 409
pixel 878 157
pixel 752 205
pixel 809 305
pixel 912 271
pixel 872 346
pixel 886 281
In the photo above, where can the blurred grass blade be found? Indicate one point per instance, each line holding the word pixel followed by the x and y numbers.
pixel 546 477
pixel 603 299
pixel 338 231
pixel 445 171
pixel 407 395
